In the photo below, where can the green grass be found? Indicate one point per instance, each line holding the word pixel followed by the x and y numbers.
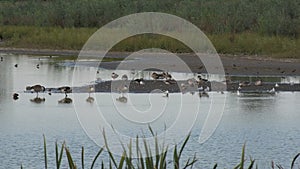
pixel 145 159
pixel 246 43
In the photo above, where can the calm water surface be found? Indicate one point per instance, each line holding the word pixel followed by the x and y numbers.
pixel 269 125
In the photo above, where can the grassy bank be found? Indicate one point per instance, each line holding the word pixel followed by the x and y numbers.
pixel 74 38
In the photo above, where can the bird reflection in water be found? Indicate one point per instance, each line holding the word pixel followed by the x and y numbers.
pixel 66 100
pixel 90 90
pixel 122 99
pixel 38 100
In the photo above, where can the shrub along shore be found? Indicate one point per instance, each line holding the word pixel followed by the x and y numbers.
pixel 57 38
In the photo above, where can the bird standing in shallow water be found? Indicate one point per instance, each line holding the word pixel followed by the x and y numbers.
pixel 15 96
pixel 65 89
pixel 36 88
pixel 90 90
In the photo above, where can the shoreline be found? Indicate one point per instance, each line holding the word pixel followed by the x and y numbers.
pixel 233 64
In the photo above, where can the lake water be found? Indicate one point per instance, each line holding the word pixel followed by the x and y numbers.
pixel 269 125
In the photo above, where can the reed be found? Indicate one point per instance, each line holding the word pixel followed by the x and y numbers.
pixel 146 160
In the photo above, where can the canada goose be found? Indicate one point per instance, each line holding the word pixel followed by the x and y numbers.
pixel 37 88
pixel 155 76
pixel 65 89
pixel 16 65
pixel 122 99
pixel 124 77
pixel 15 96
pixel 167 75
pixel 201 79
pixel 114 75
pixel 38 66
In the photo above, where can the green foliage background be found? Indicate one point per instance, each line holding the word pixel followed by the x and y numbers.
pixel 263 27
pixel 272 17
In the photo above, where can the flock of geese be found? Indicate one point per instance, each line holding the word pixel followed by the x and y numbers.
pixel 164 76
pixel 191 85
pixel 64 89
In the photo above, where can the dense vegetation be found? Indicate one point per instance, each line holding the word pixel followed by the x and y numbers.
pixel 269 27
pixel 273 17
